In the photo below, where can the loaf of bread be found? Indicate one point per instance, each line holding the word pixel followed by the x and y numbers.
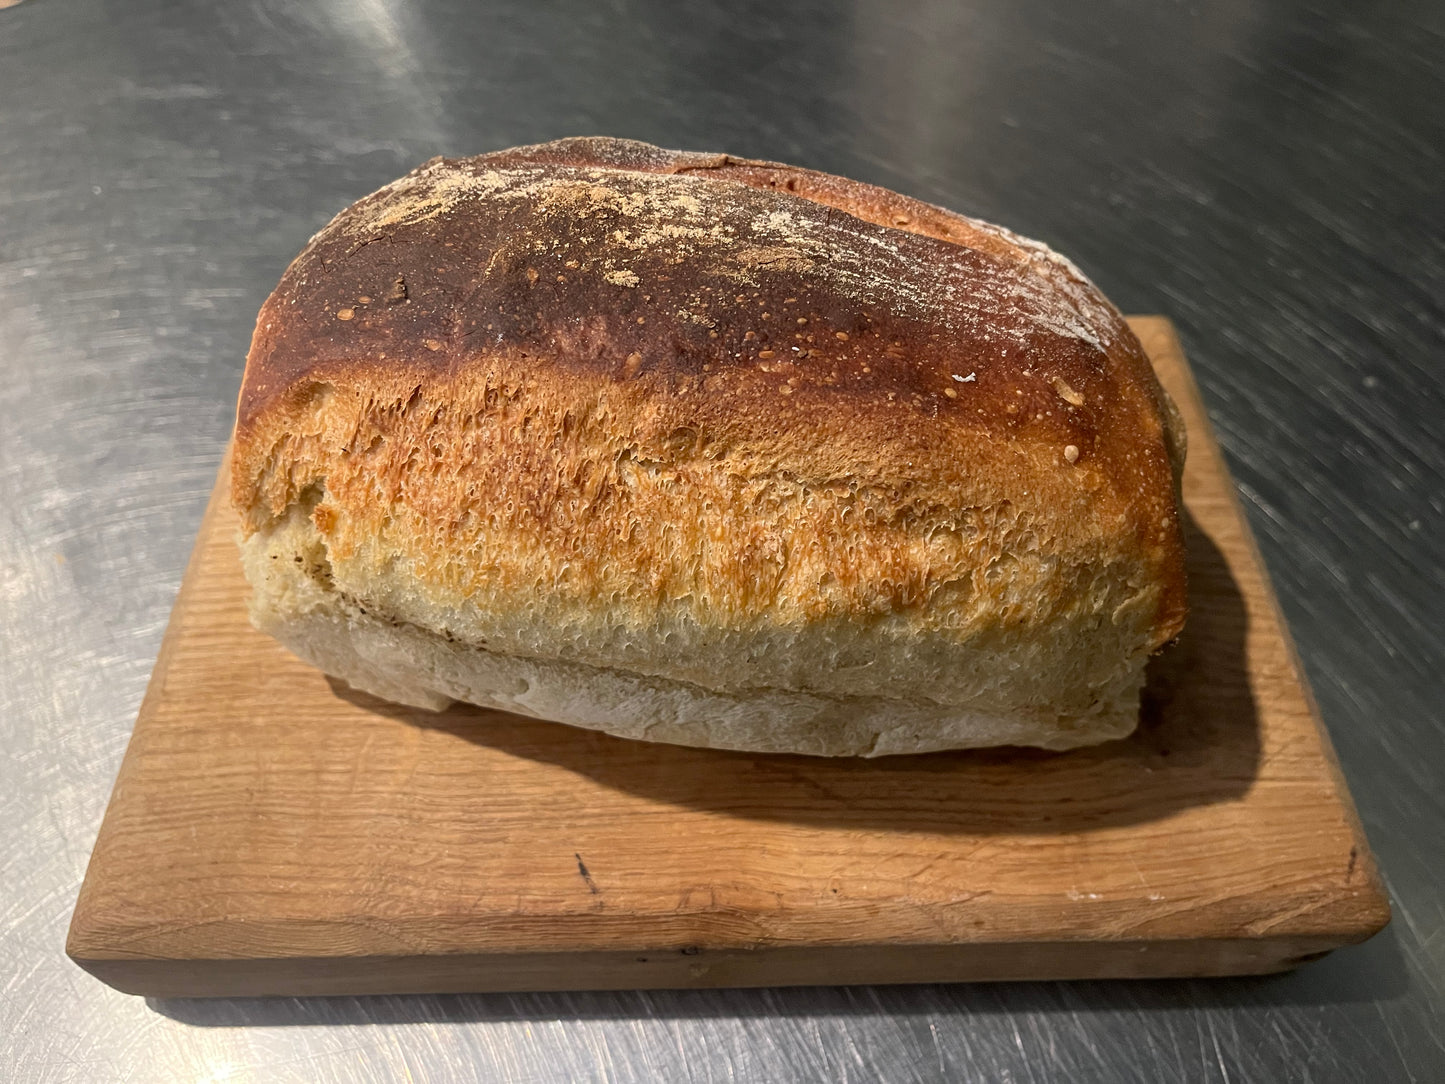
pixel 697 449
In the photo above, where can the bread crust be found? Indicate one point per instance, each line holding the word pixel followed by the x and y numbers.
pixel 657 411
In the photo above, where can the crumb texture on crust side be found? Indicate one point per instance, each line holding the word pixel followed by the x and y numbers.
pixel 417 667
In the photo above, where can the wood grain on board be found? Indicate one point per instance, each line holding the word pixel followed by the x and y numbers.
pixel 272 832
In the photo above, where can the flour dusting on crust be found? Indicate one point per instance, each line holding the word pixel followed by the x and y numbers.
pixel 964 294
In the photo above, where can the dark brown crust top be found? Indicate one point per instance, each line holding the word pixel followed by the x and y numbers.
pixel 770 297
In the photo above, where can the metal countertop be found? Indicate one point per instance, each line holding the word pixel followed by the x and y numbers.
pixel 1268 175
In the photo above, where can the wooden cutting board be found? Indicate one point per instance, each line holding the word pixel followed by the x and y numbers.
pixel 274 833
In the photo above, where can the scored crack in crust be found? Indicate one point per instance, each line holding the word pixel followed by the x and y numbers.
pixel 712 451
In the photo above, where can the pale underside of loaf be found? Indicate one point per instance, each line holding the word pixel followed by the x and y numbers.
pixel 297 601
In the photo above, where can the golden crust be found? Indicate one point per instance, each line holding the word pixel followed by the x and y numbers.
pixel 636 383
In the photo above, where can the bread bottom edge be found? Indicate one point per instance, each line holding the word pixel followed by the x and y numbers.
pixel 412 666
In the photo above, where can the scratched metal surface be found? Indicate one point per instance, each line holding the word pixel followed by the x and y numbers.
pixel 1268 175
